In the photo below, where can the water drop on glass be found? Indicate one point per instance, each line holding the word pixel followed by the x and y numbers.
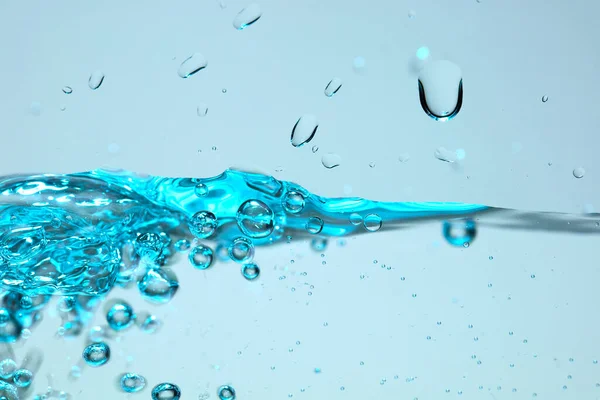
pixel 96 354
pixel 443 154
pixel 293 202
pixel 331 160
pixel 158 286
pixel 333 86
pixel 579 172
pixel 202 110
pixel 22 377
pixel 203 224
pixel 196 62
pixel 255 219
pixel 67 90
pixel 247 16
pixel 201 257
pixel 250 271
pixel 314 225
pixel 132 383
pixel 441 90
pixel 120 316
pixel 372 222
pixel 226 392
pixel 96 79
pixel 166 391
pixel 304 130
pixel 241 250
pixel 459 232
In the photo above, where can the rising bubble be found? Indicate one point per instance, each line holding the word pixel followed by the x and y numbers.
pixel 120 316
pixel 182 245
pixel 202 110
pixel 226 392
pixel 241 250
pixel 372 222
pixel 67 90
pixel 579 172
pixel 96 354
pixel 7 368
pixel 96 79
pixel 158 286
pixel 544 99
pixel 255 219
pixel 149 245
pixel 23 377
pixel 314 225
pixel 333 86
pixel 293 202
pixel 443 154
pixel 331 160
pixel 132 383
pixel 201 190
pixel 166 391
pixel 304 130
pixel 201 257
pixel 459 232
pixel 250 271
pixel 196 62
pixel 247 16
pixel 203 224
pixel 441 90
pixel 355 219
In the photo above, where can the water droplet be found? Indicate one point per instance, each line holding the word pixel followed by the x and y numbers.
pixel 22 377
pixel 201 257
pixel 459 232
pixel 443 154
pixel 579 172
pixel 441 90
pixel 96 79
pixel 120 316
pixel 372 222
pixel 318 244
pixel 223 90
pixel 67 89
pixel 331 160
pixel 203 224
pixel 202 110
pixel 149 245
pixel 315 148
pixel 166 391
pixel 250 271
pixel 293 202
pixel 544 99
pixel 158 286
pixel 304 130
pixel 333 86
pixel 7 368
pixel 132 383
pixel 255 219
pixel 96 354
pixel 314 225
pixel 355 219
pixel 196 62
pixel 247 16
pixel 241 250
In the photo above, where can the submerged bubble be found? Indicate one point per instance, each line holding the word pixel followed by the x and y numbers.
pixel 67 90
pixel 158 286
pixel 23 377
pixel 318 244
pixel 201 190
pixel 202 110
pixel 120 316
pixel 441 90
pixel 8 391
pixel 149 245
pixel 372 222
pixel 315 148
pixel 201 257
pixel 203 224
pixel 166 391
pixel 314 225
pixel 459 232
pixel 247 16
pixel 226 392
pixel 96 354
pixel 331 160
pixel 132 383
pixel 579 172
pixel 182 245
pixel 355 219
pixel 196 62
pixel 255 219
pixel 304 130
pixel 250 271
pixel 7 368
pixel 293 202
pixel 241 250
pixel 333 86
pixel 96 79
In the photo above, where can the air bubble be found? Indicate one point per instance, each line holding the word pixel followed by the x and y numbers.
pixel 96 79
pixel 443 154
pixel 120 316
pixel 7 368
pixel 158 286
pixel 22 378
pixel 250 271
pixel 579 172
pixel 293 202
pixel 544 99
pixel 304 130
pixel 372 222
pixel 314 225
pixel 226 392
pixel 355 219
pixel 333 86
pixel 247 16
pixel 459 232
pixel 201 257
pixel 255 219
pixel 203 224
pixel 315 148
pixel 96 354
pixel 202 110
pixel 166 391
pixel 67 90
pixel 441 90
pixel 149 245
pixel 132 383
pixel 241 250
pixel 318 244
pixel 331 160
pixel 182 245
pixel 196 62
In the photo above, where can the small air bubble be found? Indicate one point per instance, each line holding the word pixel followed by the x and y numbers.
pixel 544 99
pixel 579 172
pixel 67 90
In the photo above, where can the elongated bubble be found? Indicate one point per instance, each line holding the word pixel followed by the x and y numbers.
pixel 95 80
pixel 247 16
pixel 304 130
pixel 441 90
pixel 190 66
